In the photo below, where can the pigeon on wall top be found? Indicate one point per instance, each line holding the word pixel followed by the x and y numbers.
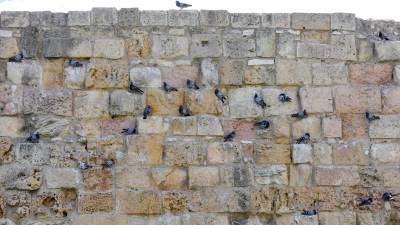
pixel 182 5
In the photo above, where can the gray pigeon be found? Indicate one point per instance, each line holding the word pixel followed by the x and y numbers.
pixel 168 88
pixel 310 212
pixel 363 201
pixel 108 163
pixel 33 137
pixel 300 115
pixel 183 111
pixel 259 101
pixel 182 5
pixel 192 85
pixel 84 165
pixel 387 196
pixel 17 58
pixel 74 63
pixel 371 117
pixel 229 136
pixel 134 89
pixel 284 98
pixel 129 131
pixel 146 112
pixel 219 95
pixel 304 139
pixel 264 124
pixel 382 36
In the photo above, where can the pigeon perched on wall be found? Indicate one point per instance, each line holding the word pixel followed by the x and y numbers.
pixel 219 95
pixel 183 111
pixel 284 98
pixel 382 36
pixel 74 63
pixel 146 112
pixel 192 85
pixel 304 139
pixel 264 124
pixel 84 165
pixel 17 58
pixel 259 101
pixel 229 136
pixel 387 196
pixel 310 212
pixel 182 5
pixel 371 117
pixel 300 115
pixel 168 88
pixel 33 137
pixel 129 130
pixel 363 201
pixel 134 89
pixel 108 163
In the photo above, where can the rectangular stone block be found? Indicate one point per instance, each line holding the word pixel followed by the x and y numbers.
pixel 245 20
pixel 337 218
pixel 203 176
pixel 104 16
pixel 48 101
pixel 311 21
pixel 153 125
pixel 91 104
pixel 184 125
pixel 385 153
pixel 181 18
pixel 109 48
pixel 287 44
pixel 170 47
pixel 336 175
pixel 271 174
pixel 231 71
pixel 316 99
pixel 300 175
pixel 354 126
pixel 265 41
pixel 387 50
pixel 351 153
pixel 162 103
pixel 271 97
pixel 329 73
pixel 128 17
pixel 62 177
pixel 302 153
pixel 260 73
pixel 11 99
pixel 209 126
pixel 145 76
pixel 79 18
pixel 125 180
pixel 391 100
pixel 371 73
pixel 293 72
pixel 266 152
pixel 14 19
pixel 343 21
pixel 391 177
pixel 343 47
pixel 332 126
pixel 104 73
pixel 184 153
pixel 89 203
pixel 144 149
pixel 26 72
pixel 313 50
pixel 275 20
pixel 242 103
pixel 146 202
pixel 388 126
pixel 357 99
pixel 154 18
pixel 239 47
pixel 218 18
pixel 11 126
pixel 126 103
pixel 67 47
pixel 311 125
pixel 203 102
pixel 8 47
pixel 206 45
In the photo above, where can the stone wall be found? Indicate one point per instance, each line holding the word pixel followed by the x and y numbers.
pixel 178 170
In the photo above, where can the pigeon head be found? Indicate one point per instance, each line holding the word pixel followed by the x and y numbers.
pixel 307 135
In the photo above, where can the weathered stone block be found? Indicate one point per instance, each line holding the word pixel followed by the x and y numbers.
pixel 177 76
pixel 95 202
pixel 370 73
pixel 78 18
pixel 11 102
pixel 154 18
pixel 67 47
pixel 11 126
pixel 391 102
pixel 97 179
pixel 343 47
pixel 74 77
pixel 203 176
pixel 265 40
pixel 42 101
pixel 218 18
pixel 228 152
pixel 35 154
pixel 239 47
pixel 14 19
pixel 300 175
pixel 104 16
pixel 153 125
pixel 313 50
pixel 293 72
pixel 317 99
pixel 302 153
pixel 203 102
pixel 181 18
pixel 260 74
pixel 385 153
pixel 357 99
pixel 287 44
pixel 128 17
pixel 387 50
pixel 332 127
pixel 109 48
pixel 271 174
pixel 311 125
pixel 61 177
pixel 53 73
pixel 387 127
pixel 271 97
pixel 144 149
pixel 390 176
pixel 184 125
pixel 124 178
pixel 365 50
pixel 245 20
pixel 8 47
pixel 311 21
pixel 170 47
pixel 275 20
pixel 146 202
pixel 126 103
pixel 138 45
pixel 232 71
pixel 209 72
pixel 209 126
pixel 206 45
pixel 27 72
pixel 322 153
pixel 184 153
pixel 351 153
pixel 329 73
pixel 266 152
pixel 145 76
pixel 91 104
pixel 343 21
pixel 242 103
pixel 169 177
pixel 337 218
pixel 354 126
pixel 164 103
pixel 336 176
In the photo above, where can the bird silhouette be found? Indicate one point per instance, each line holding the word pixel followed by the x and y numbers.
pixel 371 117
pixel 387 196
pixel 183 111
pixel 146 112
pixel 304 139
pixel 192 85
pixel 134 89
pixel 229 136
pixel 33 137
pixel 300 115
pixel 310 212
pixel 219 95
pixel 182 5
pixel 84 165
pixel 17 58
pixel 363 201
pixel 259 101
pixel 284 98
pixel 108 163
pixel 168 88
pixel 382 36
pixel 129 131
pixel 74 63
pixel 264 124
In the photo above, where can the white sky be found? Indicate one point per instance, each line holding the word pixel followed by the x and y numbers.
pixel 377 9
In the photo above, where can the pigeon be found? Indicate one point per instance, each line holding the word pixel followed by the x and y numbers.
pixel 371 117
pixel 259 101
pixel 34 137
pixel 300 115
pixel 229 136
pixel 168 88
pixel 108 163
pixel 382 36
pixel 284 98
pixel 17 58
pixel 129 131
pixel 310 212
pixel 134 89
pixel 84 165
pixel 303 139
pixel 74 63
pixel 365 201
pixel 182 5
pixel 183 111
pixel 192 85
pixel 264 124
pixel 146 112
pixel 387 196
pixel 219 95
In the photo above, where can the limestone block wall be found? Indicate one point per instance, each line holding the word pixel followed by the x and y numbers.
pixel 178 170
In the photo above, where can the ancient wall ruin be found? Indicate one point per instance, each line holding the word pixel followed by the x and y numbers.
pixel 177 170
